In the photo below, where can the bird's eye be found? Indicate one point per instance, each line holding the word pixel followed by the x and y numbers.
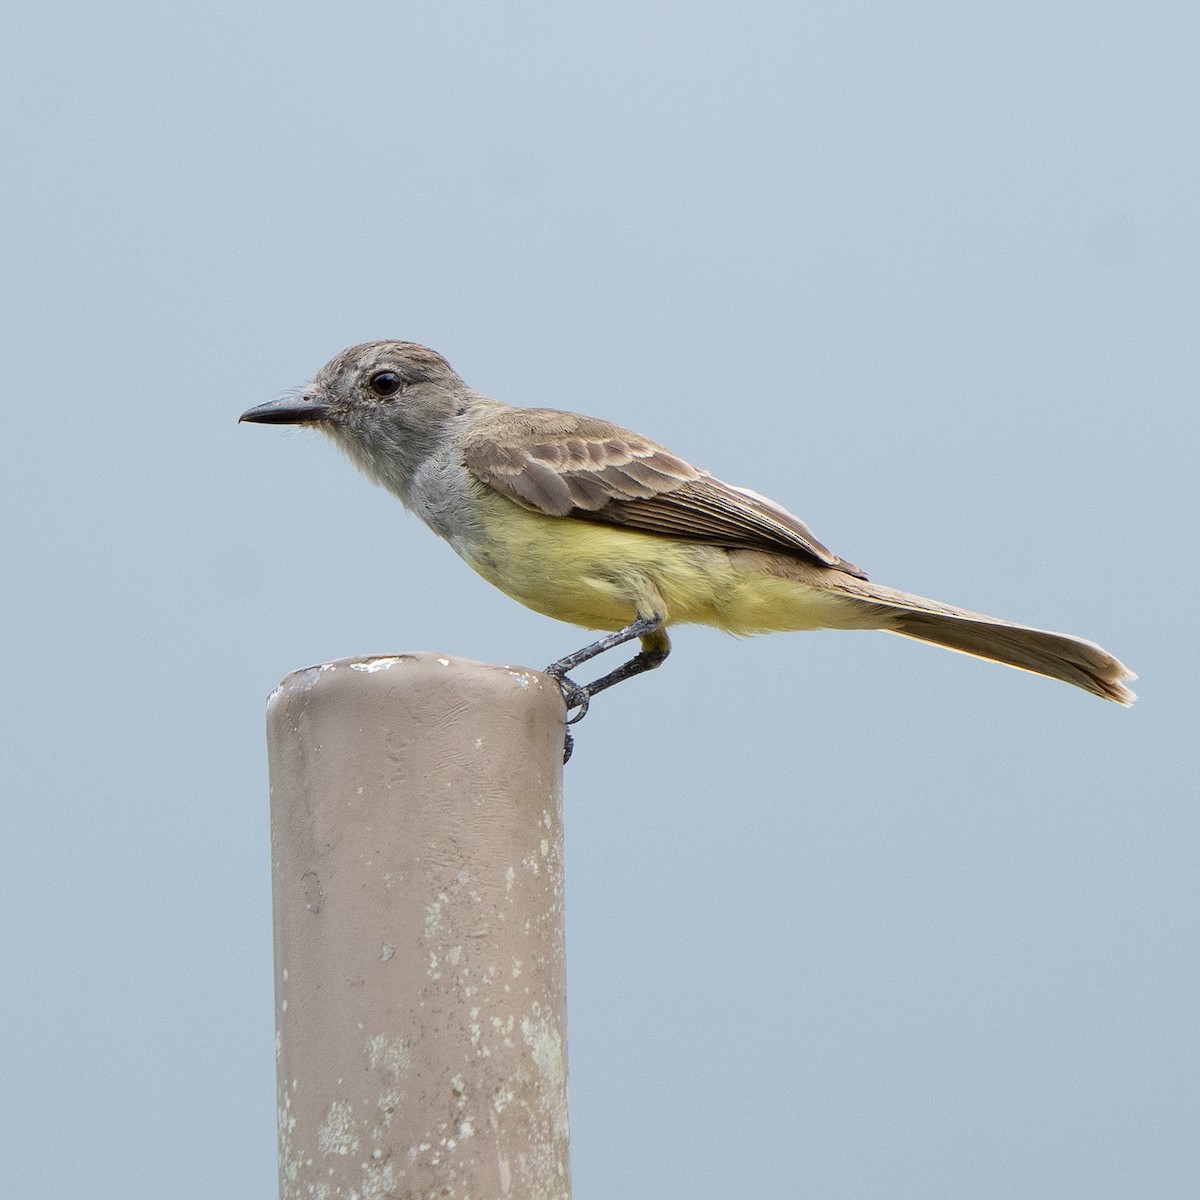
pixel 386 383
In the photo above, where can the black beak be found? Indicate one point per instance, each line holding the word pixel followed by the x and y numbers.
pixel 289 410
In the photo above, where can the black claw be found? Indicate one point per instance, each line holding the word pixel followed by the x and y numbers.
pixel 582 702
pixel 573 696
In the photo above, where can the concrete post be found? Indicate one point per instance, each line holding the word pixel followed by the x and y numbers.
pixel 416 844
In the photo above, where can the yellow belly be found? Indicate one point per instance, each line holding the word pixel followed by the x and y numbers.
pixel 604 577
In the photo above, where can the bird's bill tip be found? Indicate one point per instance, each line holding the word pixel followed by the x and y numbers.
pixel 288 410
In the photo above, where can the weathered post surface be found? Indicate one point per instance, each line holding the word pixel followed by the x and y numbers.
pixel 416 843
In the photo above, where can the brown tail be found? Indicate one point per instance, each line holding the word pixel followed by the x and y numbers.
pixel 1058 655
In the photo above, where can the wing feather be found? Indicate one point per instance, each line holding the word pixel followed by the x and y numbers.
pixel 563 465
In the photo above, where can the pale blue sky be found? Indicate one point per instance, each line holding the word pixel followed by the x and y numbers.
pixel 847 916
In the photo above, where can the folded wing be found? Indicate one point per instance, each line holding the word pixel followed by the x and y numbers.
pixel 563 464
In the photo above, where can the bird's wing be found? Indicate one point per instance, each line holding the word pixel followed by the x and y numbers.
pixel 563 464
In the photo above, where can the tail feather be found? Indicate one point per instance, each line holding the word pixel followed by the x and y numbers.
pixel 1057 655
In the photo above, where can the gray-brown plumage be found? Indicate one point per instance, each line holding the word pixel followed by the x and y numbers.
pixel 596 525
pixel 563 464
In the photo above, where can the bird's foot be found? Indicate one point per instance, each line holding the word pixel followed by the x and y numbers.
pixel 574 697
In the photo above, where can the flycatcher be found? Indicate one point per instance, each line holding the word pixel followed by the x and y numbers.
pixel 585 521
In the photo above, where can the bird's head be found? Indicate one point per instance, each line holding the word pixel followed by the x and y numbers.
pixel 389 405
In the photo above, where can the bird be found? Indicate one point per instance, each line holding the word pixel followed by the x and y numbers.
pixel 590 523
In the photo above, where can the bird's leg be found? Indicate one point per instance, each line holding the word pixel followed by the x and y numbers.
pixel 655 648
